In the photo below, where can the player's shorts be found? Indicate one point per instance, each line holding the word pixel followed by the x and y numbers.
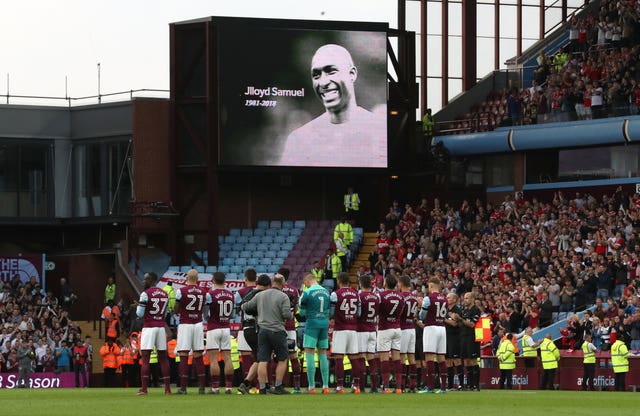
pixel 219 339
pixel 243 345
pixel 434 340
pixel 367 342
pixel 408 341
pixel 316 338
pixel 190 337
pixel 344 342
pixel 154 337
pixel 469 348
pixel 453 346
pixel 389 339
pixel 272 342
pixel 292 344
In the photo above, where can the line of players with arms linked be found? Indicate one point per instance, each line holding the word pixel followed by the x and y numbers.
pixel 423 341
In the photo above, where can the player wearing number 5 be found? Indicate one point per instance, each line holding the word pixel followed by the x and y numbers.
pixel 152 308
pixel 191 300
pixel 345 305
pixel 314 306
pixel 434 339
pixel 219 333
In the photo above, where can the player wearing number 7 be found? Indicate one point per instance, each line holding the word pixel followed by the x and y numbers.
pixel 389 333
pixel 219 333
pixel 434 339
pixel 191 299
pixel 345 305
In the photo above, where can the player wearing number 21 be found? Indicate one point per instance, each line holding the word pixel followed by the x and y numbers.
pixel 434 339
pixel 152 308
pixel 191 300
pixel 345 305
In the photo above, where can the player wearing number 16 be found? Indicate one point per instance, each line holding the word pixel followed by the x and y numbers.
pixel 219 332
pixel 152 308
pixel 434 339
pixel 345 305
pixel 191 300
pixel 314 305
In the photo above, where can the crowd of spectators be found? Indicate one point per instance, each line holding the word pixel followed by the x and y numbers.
pixel 529 262
pixel 39 321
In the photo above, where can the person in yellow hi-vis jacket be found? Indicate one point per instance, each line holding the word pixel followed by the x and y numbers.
pixel 620 363
pixel 507 359
pixel 549 355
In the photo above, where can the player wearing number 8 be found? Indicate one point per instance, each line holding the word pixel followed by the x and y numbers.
pixel 434 339
pixel 191 300
pixel 219 333
pixel 345 305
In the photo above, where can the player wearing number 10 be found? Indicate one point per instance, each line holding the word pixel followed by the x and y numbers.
pixel 219 332
pixel 434 339
pixel 152 308
pixel 345 305
pixel 192 300
pixel 314 306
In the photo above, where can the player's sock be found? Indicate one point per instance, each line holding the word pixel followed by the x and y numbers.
pixel 145 370
pixel 405 373
pixel 431 371
pixel 470 376
pixel 460 371
pixel 476 378
pixel 296 370
pixel 356 372
pixel 311 369
pixel 443 375
pixel 183 371
pixel 374 366
pixel 384 371
pixel 419 378
pixel 324 369
pixel 413 372
pixel 339 371
pixel 164 369
pixel 398 367
pixel 198 363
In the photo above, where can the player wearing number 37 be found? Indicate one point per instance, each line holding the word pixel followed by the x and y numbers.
pixel 433 313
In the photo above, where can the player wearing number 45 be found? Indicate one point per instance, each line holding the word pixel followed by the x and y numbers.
pixel 345 134
pixel 191 300
pixel 152 308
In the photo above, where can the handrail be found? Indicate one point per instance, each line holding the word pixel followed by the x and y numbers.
pixel 131 95
pixel 133 280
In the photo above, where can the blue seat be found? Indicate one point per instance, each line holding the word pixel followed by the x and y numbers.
pixel 358 231
pixel 243 239
pixel 250 247
pixel 279 239
pixel 245 254
pixel 185 269
pixel 262 268
pixel 278 261
pixel 233 276
pixel 269 254
pixel 267 239
pixel 174 268
pixel 262 247
pixel 237 247
pixel 275 247
pixel 199 269
pixel 284 232
pixel 253 261
pixel 259 232
pixel 259 253
pixel 287 224
pixel 274 224
pixel 220 239
pixel 299 224
pixel 293 236
pixel 283 254
pixel 211 269
pixel 224 268
pixel 247 232
pixel 265 261
pixel 234 254
pixel 235 269
pixel 291 239
pixel 286 246
pixel 234 232
pixel 263 225
pixel 254 240
pixel 230 239
pixel 225 247
pixel 241 261
pixel 271 232
pixel 223 253
pixel 228 261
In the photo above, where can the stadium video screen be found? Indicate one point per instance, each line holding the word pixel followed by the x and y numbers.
pixel 301 93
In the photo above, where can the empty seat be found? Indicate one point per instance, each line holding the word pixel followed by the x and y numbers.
pixel 278 261
pixel 224 268
pixel 291 239
pixel 358 231
pixel 295 232
pixel 267 239
pixel 247 232
pixel 235 269
pixel 299 224
pixel 234 232
pixel 286 246
pixel 287 224
pixel 243 239
pixel 263 225
pixel 262 247
pixel 262 268
pixel 265 262
pixel 225 247
pixel 220 239
pixel 233 276
pixel 275 247
pixel 211 269
pixel 271 232
pixel 245 254
pixel 241 261
pixel 283 253
pixel 253 261
pixel 254 240
pixel 199 269
pixel 275 224
pixel 279 239
pixel 230 239
pixel 259 253
pixel 250 247
pixel 174 268
pixel 284 232
pixel 259 232
pixel 269 254
pixel 185 269
pixel 228 261
pixel 237 247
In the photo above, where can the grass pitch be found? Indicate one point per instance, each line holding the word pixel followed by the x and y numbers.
pixel 120 402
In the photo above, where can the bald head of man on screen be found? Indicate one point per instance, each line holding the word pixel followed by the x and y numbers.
pixel 345 135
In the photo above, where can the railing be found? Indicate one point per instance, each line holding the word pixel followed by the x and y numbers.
pixel 94 99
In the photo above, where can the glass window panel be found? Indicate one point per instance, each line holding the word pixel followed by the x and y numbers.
pixel 485 56
pixel 413 16
pixel 508 19
pixel 434 56
pixel 530 23
pixel 507 50
pixel 8 180
pixel 33 180
pixel 434 18
pixel 455 56
pixel 485 19
pixel 455 87
pixel 455 19
pixel 434 94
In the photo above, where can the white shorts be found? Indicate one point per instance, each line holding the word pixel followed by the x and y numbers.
pixel 242 343
pixel 151 338
pixel 434 340
pixel 367 342
pixel 292 335
pixel 190 337
pixel 344 342
pixel 389 339
pixel 219 339
pixel 408 341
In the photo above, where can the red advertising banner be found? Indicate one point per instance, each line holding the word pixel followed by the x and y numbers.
pixel 24 265
pixel 40 380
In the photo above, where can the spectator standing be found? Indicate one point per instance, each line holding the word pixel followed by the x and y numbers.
pixel 110 290
pixel 80 355
pixel 63 356
pixel 26 358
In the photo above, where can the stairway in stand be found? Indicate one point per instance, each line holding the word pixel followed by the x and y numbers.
pixel 368 245
pixel 96 341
